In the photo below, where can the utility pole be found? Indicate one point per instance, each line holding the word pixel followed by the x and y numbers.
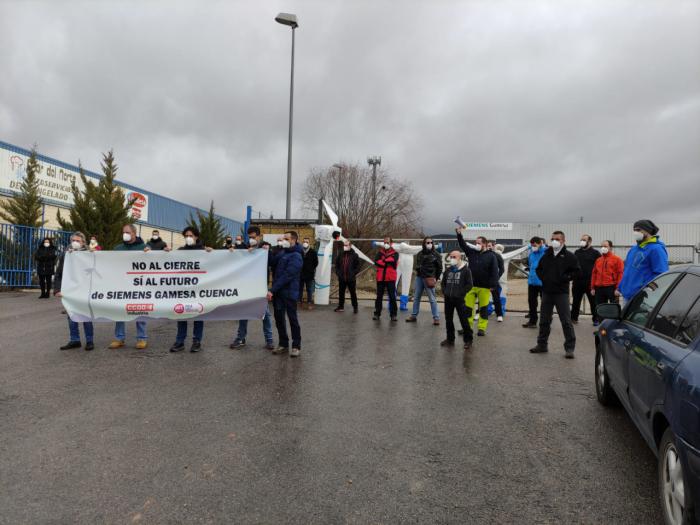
pixel 374 161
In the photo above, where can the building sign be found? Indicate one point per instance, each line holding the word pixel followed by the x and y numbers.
pixel 55 182
pixel 489 225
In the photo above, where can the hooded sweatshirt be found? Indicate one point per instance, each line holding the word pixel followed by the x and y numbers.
pixel 645 261
pixel 456 281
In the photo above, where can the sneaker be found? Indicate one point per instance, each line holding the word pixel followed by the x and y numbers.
pixel 295 352
pixel 141 344
pixel 394 319
pixel 499 318
pixel 116 344
pixel 467 345
pixel 89 346
pixel 177 347
pixel 196 347
pixel 481 333
pixel 569 355
pixel 280 350
pixel 539 349
pixel 436 322
pixel 411 319
pixel 447 342
pixel 237 343
pixel 339 309
pixel 530 325
pixel 269 345
pixel 71 344
pixel 375 317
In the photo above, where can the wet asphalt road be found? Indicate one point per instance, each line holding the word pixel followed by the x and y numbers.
pixel 375 423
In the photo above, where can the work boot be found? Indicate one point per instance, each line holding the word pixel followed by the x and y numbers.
pixel 237 343
pixel 539 350
pixel 481 333
pixel 177 347
pixel 116 344
pixel 447 342
pixel 141 344
pixel 295 352
pixel 89 346
pixel 196 347
pixel 569 354
pixel 71 344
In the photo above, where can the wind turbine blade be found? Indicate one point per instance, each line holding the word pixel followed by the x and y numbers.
pixel 362 255
pixel 331 214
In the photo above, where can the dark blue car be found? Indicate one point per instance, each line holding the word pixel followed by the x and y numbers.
pixel 648 359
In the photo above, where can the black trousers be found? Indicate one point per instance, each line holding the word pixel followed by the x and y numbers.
pixel 605 294
pixel 285 307
pixel 533 292
pixel 579 289
pixel 349 285
pixel 45 284
pixel 462 314
pixel 496 297
pixel 390 287
pixel 560 301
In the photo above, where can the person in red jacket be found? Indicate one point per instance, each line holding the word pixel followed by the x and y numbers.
pixel 386 262
pixel 606 277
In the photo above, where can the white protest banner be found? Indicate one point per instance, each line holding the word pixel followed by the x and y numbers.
pixel 181 285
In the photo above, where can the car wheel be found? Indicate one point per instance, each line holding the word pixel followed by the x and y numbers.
pixel 676 503
pixel 603 389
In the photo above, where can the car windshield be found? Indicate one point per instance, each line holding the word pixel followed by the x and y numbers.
pixel 645 301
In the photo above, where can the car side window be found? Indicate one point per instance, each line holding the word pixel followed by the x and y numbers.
pixel 674 309
pixel 645 301
pixel 690 327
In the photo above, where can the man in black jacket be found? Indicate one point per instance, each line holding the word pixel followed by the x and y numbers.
pixel 456 282
pixel 156 243
pixel 308 272
pixel 484 267
pixel 347 264
pixel 557 268
pixel 581 286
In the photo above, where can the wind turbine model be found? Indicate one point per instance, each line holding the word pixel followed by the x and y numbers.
pixel 326 234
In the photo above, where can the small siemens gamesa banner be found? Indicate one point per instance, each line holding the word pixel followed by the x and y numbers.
pixel 180 285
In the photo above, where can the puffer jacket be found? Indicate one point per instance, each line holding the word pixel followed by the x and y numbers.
pixel 287 273
pixel 45 260
pixel 607 271
pixel 428 264
pixel 386 262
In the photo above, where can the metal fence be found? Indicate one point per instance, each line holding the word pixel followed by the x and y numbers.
pixel 18 245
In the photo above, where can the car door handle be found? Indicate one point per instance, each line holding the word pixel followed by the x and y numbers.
pixel 660 367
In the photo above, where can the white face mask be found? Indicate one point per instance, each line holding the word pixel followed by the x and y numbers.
pixel 453 261
pixel 556 244
pixel 604 250
pixel 75 245
pixel 429 245
pixel 279 243
pixel 583 244
pixel 479 247
pixel 155 237
pixel 238 243
pixel 126 237
pixel 93 242
pixel 253 242
pixel 305 245
pixel 346 248
pixel 387 245
pixel 638 236
pixel 47 244
pixel 189 241
pixel 286 244
pixel 534 248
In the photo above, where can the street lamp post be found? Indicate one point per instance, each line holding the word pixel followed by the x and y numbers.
pixel 340 182
pixel 290 20
pixel 374 161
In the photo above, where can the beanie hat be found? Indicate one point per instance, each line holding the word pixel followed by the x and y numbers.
pixel 647 226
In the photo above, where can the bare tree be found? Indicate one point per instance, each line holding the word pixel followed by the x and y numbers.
pixel 365 210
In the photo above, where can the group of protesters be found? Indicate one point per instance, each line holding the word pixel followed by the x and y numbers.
pixel 471 281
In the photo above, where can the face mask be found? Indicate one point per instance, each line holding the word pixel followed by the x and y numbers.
pixel 583 244
pixel 253 242
pixel 286 244
pixel 189 241
pixel 228 241
pixel 238 243
pixel 479 247
pixel 638 236
pixel 534 248
pixel 604 250
pixel 556 244
pixel 47 244
pixel 279 243
pixel 429 245
pixel 346 248
pixel 387 245
pixel 126 237
pixel 153 237
pixel 453 261
pixel 93 242
pixel 75 245
pixel 305 245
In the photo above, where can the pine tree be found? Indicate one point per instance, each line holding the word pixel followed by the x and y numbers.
pixel 211 232
pixel 25 208
pixel 100 209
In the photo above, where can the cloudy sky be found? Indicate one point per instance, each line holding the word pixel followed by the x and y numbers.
pixel 499 111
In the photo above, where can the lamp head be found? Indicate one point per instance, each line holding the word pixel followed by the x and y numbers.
pixel 287 19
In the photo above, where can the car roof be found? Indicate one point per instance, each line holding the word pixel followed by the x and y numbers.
pixel 688 268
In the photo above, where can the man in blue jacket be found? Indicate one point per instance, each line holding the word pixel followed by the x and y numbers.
pixel 284 293
pixel 645 261
pixel 534 283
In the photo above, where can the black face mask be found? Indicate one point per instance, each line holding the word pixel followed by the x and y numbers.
pixel 228 241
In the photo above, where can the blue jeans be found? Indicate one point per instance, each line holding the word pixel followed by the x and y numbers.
pixel 197 331
pixel 418 293
pixel 74 329
pixel 120 331
pixel 266 322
